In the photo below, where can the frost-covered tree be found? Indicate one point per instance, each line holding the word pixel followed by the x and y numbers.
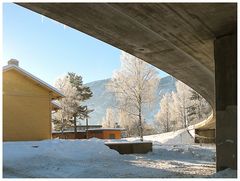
pixel 61 118
pixel 181 109
pixel 163 119
pixel 181 103
pixel 75 93
pixel 189 106
pixel 134 85
pixel 83 93
pixel 128 122
pixel 200 108
pixel 109 120
pixel 148 129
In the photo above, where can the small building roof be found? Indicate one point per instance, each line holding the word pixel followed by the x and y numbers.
pixel 107 129
pixel 14 66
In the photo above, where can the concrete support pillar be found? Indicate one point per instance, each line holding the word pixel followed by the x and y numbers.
pixel 225 54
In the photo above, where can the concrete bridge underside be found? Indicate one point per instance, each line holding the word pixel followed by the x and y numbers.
pixel 194 42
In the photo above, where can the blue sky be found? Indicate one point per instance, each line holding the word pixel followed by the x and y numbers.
pixel 48 50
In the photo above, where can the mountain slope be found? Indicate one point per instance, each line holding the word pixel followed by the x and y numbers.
pixel 103 99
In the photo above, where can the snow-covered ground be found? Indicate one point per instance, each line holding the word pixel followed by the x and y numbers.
pixel 92 159
pixel 177 137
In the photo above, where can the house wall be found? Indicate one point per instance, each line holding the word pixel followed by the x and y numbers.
pixel 101 134
pixel 104 134
pixel 69 135
pixel 107 133
pixel 26 109
pixel 96 134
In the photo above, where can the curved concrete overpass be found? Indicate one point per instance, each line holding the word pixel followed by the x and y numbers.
pixel 180 39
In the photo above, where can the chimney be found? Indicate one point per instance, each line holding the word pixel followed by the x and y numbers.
pixel 13 62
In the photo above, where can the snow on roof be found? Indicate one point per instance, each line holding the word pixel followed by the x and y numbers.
pixel 56 105
pixel 34 78
pixel 107 129
pixel 89 125
pixel 79 131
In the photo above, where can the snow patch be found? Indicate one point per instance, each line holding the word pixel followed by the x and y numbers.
pixel 58 148
pixel 93 159
pixel 175 137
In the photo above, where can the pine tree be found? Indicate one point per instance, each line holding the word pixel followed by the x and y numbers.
pixel 62 118
pixel 83 93
pixel 75 94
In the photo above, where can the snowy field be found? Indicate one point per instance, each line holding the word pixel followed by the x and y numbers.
pixel 92 159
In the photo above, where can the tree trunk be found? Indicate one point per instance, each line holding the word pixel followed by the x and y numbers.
pixel 75 126
pixel 140 128
pixel 167 121
pixel 62 128
pixel 86 128
pixel 198 109
pixel 186 119
pixel 140 123
pixel 185 114
pixel 62 132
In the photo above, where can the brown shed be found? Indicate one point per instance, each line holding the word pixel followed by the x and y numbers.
pixel 106 133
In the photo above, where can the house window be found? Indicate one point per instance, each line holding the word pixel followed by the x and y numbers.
pixel 111 136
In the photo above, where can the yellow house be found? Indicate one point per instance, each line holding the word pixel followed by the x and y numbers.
pixel 27 105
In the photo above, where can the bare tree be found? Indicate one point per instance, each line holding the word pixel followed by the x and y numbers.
pixel 128 122
pixel 148 129
pixel 182 103
pixel 181 109
pixel 135 86
pixel 109 120
pixel 163 117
